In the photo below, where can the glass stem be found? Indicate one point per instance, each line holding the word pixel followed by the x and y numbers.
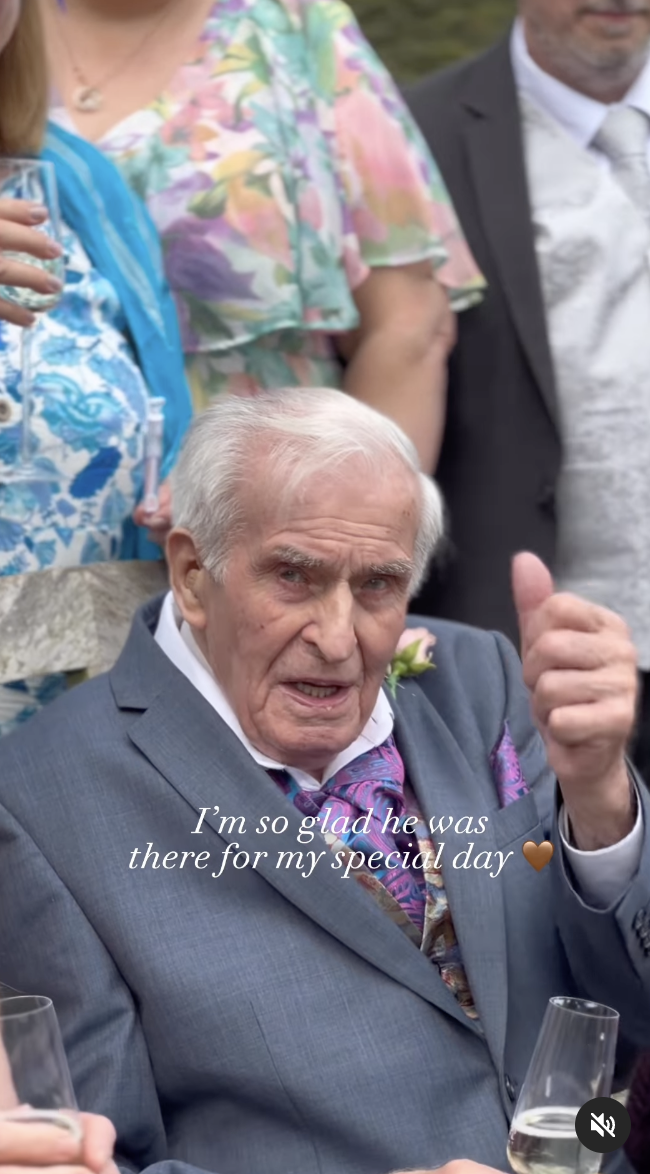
pixel 27 336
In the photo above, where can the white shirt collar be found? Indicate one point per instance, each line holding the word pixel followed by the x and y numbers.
pixel 581 117
pixel 175 638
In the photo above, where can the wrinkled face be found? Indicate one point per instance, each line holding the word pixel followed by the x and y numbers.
pixel 595 46
pixel 314 601
pixel 9 13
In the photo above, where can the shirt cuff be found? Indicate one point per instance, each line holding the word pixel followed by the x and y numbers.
pixel 602 876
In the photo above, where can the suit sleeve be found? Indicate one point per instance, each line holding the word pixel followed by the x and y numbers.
pixel 48 947
pixel 608 949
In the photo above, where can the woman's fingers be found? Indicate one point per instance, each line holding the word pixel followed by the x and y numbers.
pixel 160 522
pixel 23 211
pixel 27 276
pixel 16 237
pixel 16 315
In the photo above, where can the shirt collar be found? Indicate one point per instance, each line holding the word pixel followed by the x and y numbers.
pixel 581 117
pixel 175 638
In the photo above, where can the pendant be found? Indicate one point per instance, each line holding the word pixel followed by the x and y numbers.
pixel 87 99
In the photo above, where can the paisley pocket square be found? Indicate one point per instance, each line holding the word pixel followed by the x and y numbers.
pixel 506 768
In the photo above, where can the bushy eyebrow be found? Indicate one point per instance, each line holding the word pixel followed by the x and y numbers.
pixel 295 558
pixel 400 569
pixel 292 557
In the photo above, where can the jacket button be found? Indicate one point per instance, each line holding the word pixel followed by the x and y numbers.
pixel 546 498
pixel 510 1088
pixel 5 411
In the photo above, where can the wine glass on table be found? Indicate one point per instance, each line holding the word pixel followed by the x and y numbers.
pixel 35 1083
pixel 573 1063
pixel 35 182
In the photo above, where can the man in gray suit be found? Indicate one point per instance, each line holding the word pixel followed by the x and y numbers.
pixel 370 1004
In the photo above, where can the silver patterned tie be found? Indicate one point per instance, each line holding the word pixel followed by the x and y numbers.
pixel 623 138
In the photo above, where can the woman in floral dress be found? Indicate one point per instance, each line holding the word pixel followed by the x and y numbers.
pixel 301 216
pixel 110 343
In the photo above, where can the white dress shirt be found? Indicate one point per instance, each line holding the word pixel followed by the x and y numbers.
pixel 602 875
pixel 592 244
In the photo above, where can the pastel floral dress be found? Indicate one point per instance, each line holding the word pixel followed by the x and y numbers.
pixel 89 416
pixel 280 166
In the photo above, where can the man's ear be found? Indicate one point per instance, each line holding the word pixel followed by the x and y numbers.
pixel 188 577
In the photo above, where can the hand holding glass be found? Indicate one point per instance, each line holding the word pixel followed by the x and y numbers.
pixel 35 1084
pixel 34 182
pixel 573 1063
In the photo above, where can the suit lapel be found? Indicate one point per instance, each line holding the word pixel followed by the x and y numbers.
pixel 192 748
pixel 445 786
pixel 493 136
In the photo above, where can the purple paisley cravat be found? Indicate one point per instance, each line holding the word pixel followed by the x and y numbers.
pixel 373 782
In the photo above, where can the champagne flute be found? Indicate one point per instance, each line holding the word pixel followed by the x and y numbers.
pixel 573 1063
pixel 34 181
pixel 35 1083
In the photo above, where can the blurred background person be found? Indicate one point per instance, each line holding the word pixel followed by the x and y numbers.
pixel 637 1147
pixel 300 214
pixel 110 343
pixel 544 143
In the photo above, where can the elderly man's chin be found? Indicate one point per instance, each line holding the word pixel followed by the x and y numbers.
pixel 308 730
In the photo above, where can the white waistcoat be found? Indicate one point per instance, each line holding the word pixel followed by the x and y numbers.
pixel 593 251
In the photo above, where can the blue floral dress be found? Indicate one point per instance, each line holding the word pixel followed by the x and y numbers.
pixel 88 423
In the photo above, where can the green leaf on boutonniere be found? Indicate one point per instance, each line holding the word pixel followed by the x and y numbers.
pixel 410 661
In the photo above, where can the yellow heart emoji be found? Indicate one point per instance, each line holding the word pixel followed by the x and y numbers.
pixel 538 854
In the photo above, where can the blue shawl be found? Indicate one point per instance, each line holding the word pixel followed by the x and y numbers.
pixel 118 235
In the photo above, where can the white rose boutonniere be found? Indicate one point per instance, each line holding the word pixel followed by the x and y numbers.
pixel 412 656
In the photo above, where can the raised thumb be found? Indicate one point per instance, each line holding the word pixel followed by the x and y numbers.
pixel 532 584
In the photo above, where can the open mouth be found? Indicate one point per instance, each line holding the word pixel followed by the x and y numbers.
pixel 318 692
pixel 615 15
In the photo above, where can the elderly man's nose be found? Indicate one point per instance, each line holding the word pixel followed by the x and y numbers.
pixel 332 631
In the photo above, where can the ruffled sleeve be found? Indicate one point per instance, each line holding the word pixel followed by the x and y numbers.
pixel 398 208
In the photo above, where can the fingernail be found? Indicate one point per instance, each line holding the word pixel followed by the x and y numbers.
pixel 38 213
pixel 54 249
pixel 53 285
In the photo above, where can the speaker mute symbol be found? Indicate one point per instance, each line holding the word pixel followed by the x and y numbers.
pixel 599 1125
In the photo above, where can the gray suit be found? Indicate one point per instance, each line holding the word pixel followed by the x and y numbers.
pixel 262 1023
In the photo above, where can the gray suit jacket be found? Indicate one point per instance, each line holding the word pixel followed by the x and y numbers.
pixel 266 1023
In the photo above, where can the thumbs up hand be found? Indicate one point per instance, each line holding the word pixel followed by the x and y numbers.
pixel 580 667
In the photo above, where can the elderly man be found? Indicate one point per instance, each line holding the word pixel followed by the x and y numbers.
pixel 544 143
pixel 284 915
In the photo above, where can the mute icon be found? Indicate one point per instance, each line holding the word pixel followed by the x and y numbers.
pixel 603 1125
pixel 599 1124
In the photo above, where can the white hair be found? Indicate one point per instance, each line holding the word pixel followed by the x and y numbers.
pixel 300 432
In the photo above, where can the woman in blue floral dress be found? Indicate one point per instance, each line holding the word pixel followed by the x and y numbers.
pixel 110 343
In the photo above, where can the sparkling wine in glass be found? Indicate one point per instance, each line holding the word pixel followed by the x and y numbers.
pixel 34 181
pixel 35 1084
pixel 573 1063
